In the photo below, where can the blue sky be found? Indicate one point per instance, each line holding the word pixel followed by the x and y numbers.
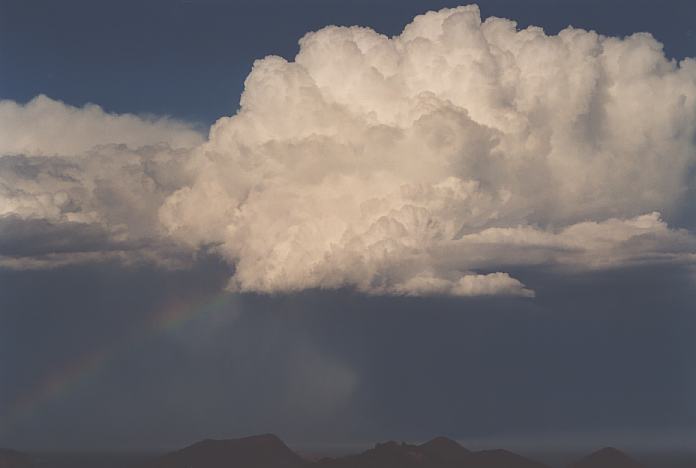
pixel 189 58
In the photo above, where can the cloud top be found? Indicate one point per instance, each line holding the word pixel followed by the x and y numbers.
pixel 44 127
pixel 423 164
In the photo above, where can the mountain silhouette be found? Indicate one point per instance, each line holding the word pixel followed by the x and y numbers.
pixel 385 455
pixel 268 451
pixel 261 451
pixel 14 459
pixel 440 452
pixel 500 459
pixel 608 457
pixel 446 450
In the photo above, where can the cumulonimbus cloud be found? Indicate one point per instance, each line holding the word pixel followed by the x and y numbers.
pixel 423 164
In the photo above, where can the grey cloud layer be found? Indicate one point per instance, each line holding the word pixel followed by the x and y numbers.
pixel 423 164
pixel 100 205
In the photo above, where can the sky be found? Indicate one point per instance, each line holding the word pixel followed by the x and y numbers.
pixel 226 218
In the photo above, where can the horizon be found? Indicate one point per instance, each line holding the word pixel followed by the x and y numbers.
pixel 555 457
pixel 640 444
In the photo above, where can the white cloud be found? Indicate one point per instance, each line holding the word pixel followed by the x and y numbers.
pixel 492 284
pixel 98 206
pixel 423 164
pixel 44 126
pixel 79 185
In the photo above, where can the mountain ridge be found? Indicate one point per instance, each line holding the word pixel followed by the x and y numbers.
pixel 607 457
pixel 269 451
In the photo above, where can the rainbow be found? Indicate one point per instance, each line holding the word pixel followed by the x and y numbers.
pixel 61 381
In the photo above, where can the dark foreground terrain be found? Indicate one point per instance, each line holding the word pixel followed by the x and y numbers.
pixel 268 451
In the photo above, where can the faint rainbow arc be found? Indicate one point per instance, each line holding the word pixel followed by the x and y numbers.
pixel 71 374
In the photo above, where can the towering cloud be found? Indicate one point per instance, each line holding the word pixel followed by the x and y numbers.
pixel 422 164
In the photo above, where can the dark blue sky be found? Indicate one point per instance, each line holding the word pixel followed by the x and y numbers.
pixel 594 359
pixel 189 58
pixel 606 358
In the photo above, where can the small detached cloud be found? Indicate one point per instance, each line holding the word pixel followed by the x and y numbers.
pixel 492 284
pixel 423 164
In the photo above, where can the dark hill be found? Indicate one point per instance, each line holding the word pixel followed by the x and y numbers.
pixel 268 451
pixel 501 459
pixel 446 450
pixel 438 453
pixel 385 455
pixel 607 457
pixel 262 451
